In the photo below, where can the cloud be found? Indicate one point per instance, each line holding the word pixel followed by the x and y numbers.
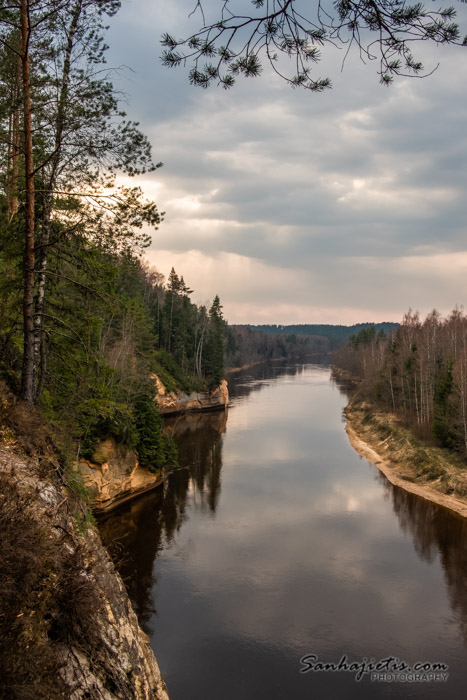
pixel 343 206
pixel 336 291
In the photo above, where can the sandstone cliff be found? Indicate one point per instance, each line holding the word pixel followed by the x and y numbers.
pixel 67 628
pixel 113 476
pixel 178 402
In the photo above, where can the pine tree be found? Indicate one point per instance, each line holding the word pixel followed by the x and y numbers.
pixel 53 55
pixel 215 344
pixel 234 41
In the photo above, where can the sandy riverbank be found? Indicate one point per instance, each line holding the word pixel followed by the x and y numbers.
pixel 424 470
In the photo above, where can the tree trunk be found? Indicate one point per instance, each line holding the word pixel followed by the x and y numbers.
pixel 27 376
pixel 39 348
pixel 38 345
pixel 14 147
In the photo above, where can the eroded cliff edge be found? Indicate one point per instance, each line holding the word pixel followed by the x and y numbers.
pixel 67 628
pixel 114 476
pixel 171 402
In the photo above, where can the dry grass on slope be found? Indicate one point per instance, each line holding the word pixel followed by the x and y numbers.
pixel 436 468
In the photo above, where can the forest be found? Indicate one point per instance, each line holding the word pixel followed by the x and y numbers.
pixel 84 321
pixel 337 334
pixel 245 345
pixel 418 372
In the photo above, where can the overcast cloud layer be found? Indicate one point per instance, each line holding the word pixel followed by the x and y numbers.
pixel 295 207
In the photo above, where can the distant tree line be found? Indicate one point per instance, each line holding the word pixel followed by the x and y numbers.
pixel 419 372
pixel 244 346
pixel 336 334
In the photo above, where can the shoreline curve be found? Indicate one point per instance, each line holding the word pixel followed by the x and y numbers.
pixel 390 472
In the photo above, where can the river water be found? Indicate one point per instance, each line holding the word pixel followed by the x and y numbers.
pixel 275 541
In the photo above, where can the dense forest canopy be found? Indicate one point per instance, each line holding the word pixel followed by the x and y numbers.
pixel 64 139
pixel 84 323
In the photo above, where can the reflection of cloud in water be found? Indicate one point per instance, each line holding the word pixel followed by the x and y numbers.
pixel 304 557
pixel 343 572
pixel 259 587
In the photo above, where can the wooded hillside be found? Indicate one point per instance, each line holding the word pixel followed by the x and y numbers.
pixel 419 373
pixel 84 323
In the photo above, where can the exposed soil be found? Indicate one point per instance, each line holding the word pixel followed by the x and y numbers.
pixel 434 473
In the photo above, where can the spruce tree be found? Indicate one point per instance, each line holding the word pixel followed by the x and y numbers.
pixel 215 344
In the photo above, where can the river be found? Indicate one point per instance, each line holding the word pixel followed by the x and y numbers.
pixel 275 541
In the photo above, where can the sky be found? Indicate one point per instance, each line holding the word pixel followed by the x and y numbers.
pixel 294 207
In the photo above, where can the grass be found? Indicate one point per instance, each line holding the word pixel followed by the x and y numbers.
pixel 421 461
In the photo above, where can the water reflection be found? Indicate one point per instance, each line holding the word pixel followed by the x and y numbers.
pixel 198 438
pixel 275 540
pixel 345 386
pixel 135 533
pixel 255 378
pixel 436 532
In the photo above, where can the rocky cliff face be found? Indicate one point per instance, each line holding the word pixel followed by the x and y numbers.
pixel 113 476
pixel 67 627
pixel 172 402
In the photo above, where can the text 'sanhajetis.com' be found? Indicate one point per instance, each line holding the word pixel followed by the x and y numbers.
pixel 388 670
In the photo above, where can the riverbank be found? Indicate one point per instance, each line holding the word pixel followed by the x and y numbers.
pixel 67 627
pixel 431 472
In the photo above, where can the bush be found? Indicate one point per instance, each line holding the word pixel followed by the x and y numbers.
pixel 100 419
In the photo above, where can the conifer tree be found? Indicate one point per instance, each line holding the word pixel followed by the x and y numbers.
pixel 290 35
pixel 62 166
pixel 215 344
